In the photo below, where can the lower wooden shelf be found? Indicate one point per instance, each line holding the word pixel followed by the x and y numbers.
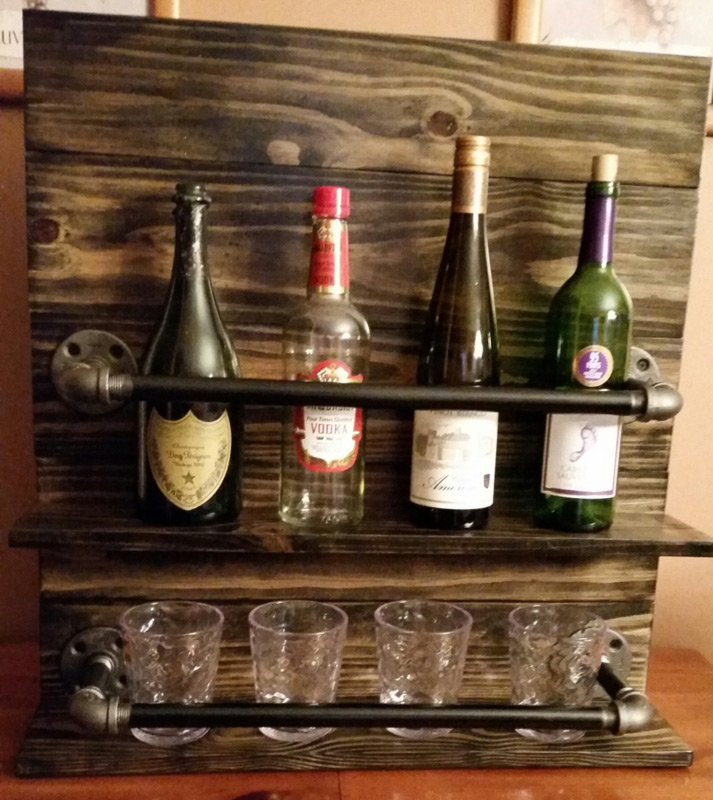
pixel 54 746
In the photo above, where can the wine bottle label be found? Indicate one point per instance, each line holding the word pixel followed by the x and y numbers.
pixel 327 438
pixel 593 365
pixel 329 263
pixel 453 459
pixel 189 458
pixel 581 455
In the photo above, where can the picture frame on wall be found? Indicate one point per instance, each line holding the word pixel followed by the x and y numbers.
pixel 11 62
pixel 673 27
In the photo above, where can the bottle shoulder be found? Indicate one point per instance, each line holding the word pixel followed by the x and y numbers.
pixel 592 291
pixel 328 316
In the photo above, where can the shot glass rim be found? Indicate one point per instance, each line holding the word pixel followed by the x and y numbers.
pixel 380 621
pixel 134 631
pixel 341 613
pixel 587 615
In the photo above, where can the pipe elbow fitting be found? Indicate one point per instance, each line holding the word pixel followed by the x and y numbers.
pixel 634 709
pixel 99 714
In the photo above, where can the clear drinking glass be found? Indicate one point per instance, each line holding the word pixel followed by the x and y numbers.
pixel 171 650
pixel 555 654
pixel 422 646
pixel 297 654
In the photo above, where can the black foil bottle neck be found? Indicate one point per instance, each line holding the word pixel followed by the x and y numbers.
pixel 192 204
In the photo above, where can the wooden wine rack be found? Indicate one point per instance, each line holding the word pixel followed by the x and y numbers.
pixel 119 110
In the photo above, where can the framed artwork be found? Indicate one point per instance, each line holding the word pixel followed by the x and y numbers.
pixel 11 85
pixel 677 27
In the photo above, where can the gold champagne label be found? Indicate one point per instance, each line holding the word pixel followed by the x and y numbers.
pixel 189 458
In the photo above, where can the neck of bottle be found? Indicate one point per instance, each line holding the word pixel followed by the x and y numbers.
pixel 598 229
pixel 329 262
pixel 190 261
pixel 470 190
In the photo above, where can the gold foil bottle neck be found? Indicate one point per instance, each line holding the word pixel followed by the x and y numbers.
pixel 470 175
pixel 472 151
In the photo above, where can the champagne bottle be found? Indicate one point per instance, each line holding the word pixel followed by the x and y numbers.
pixel 190 452
pixel 453 454
pixel 586 345
pixel 326 339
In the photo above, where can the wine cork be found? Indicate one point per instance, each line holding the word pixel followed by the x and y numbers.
pixel 604 168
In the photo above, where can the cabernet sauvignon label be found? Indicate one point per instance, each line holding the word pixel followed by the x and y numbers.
pixel 189 458
pixel 581 455
pixel 327 437
pixel 453 459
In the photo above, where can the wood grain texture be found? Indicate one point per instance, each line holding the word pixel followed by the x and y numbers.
pixel 118 111
pixel 679 684
pixel 51 528
pixel 101 247
pixel 53 747
pixel 357 101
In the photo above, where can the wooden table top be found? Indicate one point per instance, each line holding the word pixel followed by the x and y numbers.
pixel 680 685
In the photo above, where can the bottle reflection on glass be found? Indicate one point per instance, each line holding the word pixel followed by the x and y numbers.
pixel 587 345
pixel 190 452
pixel 453 453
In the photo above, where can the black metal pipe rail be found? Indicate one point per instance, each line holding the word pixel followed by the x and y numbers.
pixel 98 712
pixel 344 715
pixel 86 383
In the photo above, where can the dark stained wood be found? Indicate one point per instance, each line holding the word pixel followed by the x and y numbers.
pixel 680 684
pixel 118 111
pixel 511 537
pixel 108 265
pixel 247 750
pixel 205 91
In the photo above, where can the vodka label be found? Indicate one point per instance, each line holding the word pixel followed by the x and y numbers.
pixel 581 455
pixel 327 437
pixel 453 461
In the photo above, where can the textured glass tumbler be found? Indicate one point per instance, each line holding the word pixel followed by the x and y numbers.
pixel 422 646
pixel 555 654
pixel 297 654
pixel 171 650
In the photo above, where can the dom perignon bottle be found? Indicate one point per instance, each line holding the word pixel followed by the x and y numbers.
pixel 453 454
pixel 190 453
pixel 326 339
pixel 587 346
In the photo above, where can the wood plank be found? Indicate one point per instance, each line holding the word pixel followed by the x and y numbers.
pixel 93 576
pixel 357 101
pixel 54 747
pixel 107 266
pixel 63 527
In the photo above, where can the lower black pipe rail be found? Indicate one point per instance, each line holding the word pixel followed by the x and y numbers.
pixel 629 711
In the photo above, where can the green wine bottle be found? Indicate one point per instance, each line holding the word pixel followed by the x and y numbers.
pixel 190 452
pixel 586 346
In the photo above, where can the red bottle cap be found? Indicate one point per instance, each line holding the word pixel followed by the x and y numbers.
pixel 331 201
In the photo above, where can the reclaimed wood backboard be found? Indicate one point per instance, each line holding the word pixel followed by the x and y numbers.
pixel 119 110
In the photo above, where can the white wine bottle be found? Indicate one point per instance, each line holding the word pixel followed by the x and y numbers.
pixel 453 454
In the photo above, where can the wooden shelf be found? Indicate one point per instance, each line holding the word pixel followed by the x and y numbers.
pixel 245 750
pixel 51 527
